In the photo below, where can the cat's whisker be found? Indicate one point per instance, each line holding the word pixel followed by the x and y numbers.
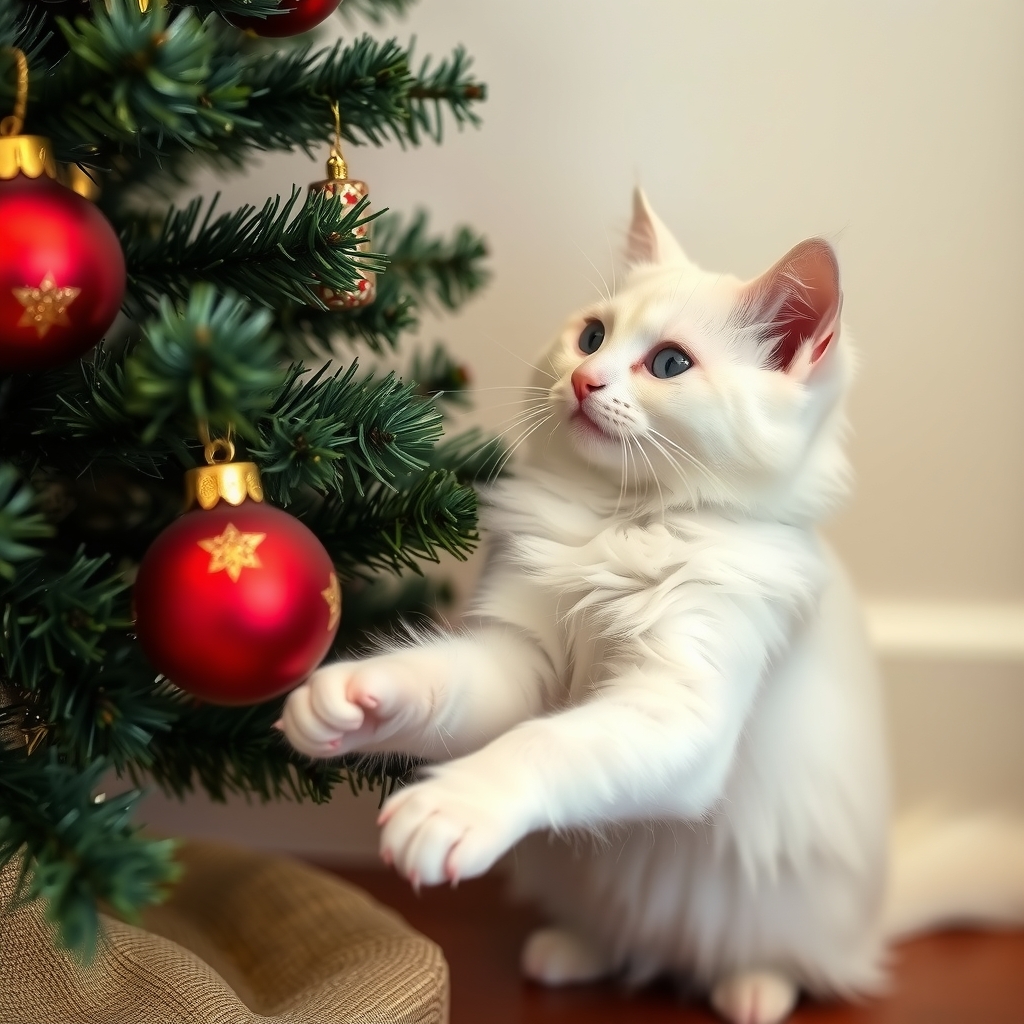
pixel 606 294
pixel 625 473
pixel 654 476
pixel 521 402
pixel 523 419
pixel 527 404
pixel 636 473
pixel 511 387
pixel 673 463
pixel 533 366
pixel 611 261
pixel 712 477
pixel 523 394
pixel 523 437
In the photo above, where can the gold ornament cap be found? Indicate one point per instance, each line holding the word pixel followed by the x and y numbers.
pixel 232 482
pixel 31 155
pixel 221 479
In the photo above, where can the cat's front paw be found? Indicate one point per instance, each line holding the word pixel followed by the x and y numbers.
pixel 353 705
pixel 445 829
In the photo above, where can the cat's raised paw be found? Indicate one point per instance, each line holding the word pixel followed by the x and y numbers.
pixel 445 829
pixel 754 997
pixel 355 706
pixel 554 956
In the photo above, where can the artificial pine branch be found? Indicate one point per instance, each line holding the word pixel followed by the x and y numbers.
pixel 19 522
pixel 281 253
pixel 226 751
pixel 211 361
pixel 145 98
pixel 86 417
pixel 473 457
pixel 56 613
pixel 440 377
pixel 376 11
pixel 234 750
pixel 340 433
pixel 24 28
pixel 138 79
pixel 395 530
pixel 446 87
pixel 76 848
pixel 113 709
pixel 423 269
pixel 442 270
pixel 379 325
pixel 386 606
pixel 164 80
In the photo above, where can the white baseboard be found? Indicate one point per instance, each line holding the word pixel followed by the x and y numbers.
pixel 985 631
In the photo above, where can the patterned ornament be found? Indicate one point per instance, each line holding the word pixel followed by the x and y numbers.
pixel 21 723
pixel 236 601
pixel 349 191
pixel 62 272
pixel 296 16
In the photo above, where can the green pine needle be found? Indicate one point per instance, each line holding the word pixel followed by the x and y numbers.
pixel 18 522
pixel 76 849
pixel 222 308
pixel 281 253
pixel 211 361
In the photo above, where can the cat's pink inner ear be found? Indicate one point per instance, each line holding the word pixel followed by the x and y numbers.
pixel 800 298
pixel 649 241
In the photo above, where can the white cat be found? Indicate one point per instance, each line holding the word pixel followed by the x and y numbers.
pixel 665 673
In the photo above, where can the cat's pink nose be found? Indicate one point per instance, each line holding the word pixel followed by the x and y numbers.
pixel 583 383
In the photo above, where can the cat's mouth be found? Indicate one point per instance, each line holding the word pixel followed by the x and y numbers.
pixel 588 425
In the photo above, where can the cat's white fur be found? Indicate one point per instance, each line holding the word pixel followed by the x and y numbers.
pixel 664 693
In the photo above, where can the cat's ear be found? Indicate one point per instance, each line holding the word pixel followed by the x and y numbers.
pixel 798 303
pixel 649 241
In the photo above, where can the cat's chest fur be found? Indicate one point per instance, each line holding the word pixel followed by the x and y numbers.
pixel 593 581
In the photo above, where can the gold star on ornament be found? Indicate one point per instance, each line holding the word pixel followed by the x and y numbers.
pixel 45 306
pixel 233 551
pixel 332 595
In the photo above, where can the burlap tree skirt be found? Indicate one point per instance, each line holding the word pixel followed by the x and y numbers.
pixel 244 938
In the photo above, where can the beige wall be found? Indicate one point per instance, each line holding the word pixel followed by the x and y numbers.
pixel 894 129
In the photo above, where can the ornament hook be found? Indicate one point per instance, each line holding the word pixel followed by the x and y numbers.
pixel 221 477
pixel 337 169
pixel 216 450
pixel 13 123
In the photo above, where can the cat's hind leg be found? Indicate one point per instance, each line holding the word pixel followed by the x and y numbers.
pixel 754 997
pixel 554 956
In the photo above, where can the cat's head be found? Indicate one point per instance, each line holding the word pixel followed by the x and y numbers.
pixel 714 390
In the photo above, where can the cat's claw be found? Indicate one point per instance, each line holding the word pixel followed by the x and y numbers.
pixel 444 830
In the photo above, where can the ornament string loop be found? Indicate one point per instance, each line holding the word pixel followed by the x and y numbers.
pixel 337 169
pixel 219 449
pixel 13 123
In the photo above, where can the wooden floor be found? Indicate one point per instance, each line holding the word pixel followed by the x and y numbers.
pixel 955 978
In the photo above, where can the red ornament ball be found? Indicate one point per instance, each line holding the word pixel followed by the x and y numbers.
pixel 296 16
pixel 62 274
pixel 236 604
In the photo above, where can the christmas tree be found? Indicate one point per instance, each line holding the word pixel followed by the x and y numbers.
pixel 240 328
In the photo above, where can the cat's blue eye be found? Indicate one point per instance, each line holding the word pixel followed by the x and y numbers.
pixel 591 337
pixel 670 362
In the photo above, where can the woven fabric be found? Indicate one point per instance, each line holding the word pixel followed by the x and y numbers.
pixel 245 938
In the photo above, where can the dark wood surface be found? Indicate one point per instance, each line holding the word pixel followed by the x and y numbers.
pixel 953 978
